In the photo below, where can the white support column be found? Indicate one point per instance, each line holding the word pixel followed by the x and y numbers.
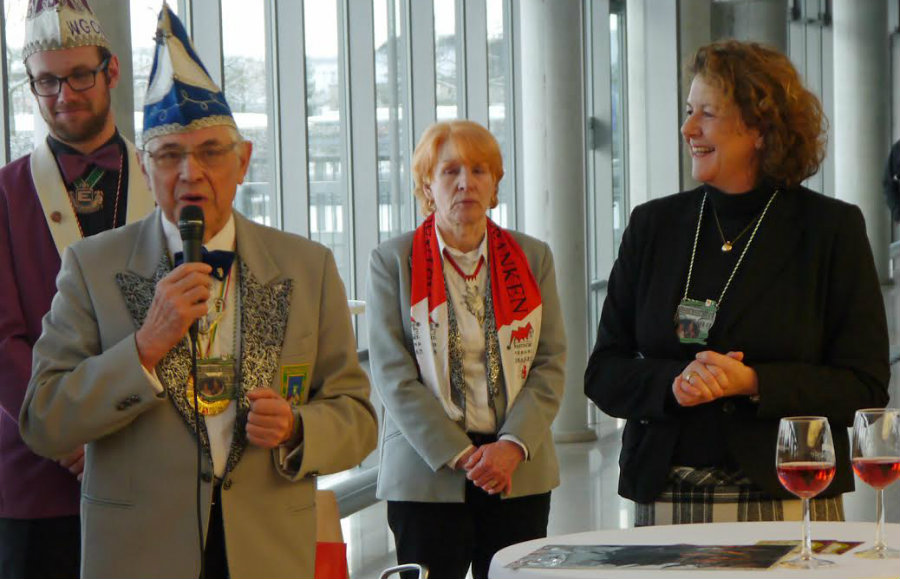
pixel 553 184
pixel 115 17
pixel 638 135
pixel 654 102
pixel 861 118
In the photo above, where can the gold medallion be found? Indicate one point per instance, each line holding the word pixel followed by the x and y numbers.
pixel 216 391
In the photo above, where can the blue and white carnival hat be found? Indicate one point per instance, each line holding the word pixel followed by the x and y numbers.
pixel 181 96
pixel 61 24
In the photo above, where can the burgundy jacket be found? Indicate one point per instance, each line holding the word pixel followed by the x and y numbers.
pixel 30 486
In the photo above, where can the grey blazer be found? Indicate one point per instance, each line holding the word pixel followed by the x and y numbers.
pixel 138 494
pixel 417 437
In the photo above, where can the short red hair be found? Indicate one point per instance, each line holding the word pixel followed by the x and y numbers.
pixel 475 144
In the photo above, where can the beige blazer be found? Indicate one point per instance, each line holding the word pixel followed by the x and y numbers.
pixel 138 494
pixel 418 438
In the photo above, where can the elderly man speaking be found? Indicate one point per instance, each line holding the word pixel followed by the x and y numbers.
pixel 280 396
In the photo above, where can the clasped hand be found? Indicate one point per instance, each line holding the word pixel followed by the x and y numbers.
pixel 270 421
pixel 490 466
pixel 712 375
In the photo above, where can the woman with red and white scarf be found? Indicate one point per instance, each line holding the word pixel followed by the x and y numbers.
pixel 467 348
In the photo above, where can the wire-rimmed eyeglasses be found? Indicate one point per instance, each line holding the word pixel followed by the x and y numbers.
pixel 79 81
pixel 210 156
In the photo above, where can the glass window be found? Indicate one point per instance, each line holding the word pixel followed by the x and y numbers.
pixel 328 189
pixel 22 107
pixel 247 91
pixel 617 95
pixel 144 14
pixel 395 199
pixel 499 99
pixel 446 59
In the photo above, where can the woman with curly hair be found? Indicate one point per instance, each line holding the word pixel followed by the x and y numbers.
pixel 745 300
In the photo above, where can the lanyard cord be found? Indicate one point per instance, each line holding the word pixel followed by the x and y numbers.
pixel 759 221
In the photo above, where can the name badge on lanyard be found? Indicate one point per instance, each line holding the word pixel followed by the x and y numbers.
pixel 694 319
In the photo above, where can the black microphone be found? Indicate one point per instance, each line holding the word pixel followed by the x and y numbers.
pixel 191 226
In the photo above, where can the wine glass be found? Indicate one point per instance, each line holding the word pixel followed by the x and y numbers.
pixel 876 460
pixel 805 466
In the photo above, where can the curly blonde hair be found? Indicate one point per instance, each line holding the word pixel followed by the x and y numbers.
pixel 770 95
pixel 474 143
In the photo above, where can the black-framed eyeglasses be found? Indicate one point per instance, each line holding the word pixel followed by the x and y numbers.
pixel 79 81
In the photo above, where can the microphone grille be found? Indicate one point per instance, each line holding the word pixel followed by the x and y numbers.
pixel 190 222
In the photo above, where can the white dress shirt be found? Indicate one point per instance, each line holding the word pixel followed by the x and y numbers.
pixel 220 427
pixel 479 414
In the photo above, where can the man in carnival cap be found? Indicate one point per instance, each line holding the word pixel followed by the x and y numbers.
pixel 83 179
pixel 280 394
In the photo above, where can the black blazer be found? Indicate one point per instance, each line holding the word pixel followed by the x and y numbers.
pixel 805 308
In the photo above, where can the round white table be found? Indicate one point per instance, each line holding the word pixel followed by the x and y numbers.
pixel 846 566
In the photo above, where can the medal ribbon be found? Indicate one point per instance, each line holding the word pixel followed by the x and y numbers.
pixel 91 180
pixel 214 326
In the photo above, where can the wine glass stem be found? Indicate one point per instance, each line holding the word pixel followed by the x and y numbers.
pixel 879 518
pixel 806 548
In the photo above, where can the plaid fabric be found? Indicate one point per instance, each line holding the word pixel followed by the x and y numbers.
pixel 715 495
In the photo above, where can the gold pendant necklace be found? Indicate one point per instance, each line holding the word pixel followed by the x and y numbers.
pixel 727 246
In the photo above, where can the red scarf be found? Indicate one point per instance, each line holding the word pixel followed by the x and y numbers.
pixel 517 311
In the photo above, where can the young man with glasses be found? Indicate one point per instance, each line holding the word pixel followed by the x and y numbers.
pixel 208 473
pixel 82 180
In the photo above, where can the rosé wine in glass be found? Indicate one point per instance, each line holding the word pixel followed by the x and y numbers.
pixel 875 452
pixel 804 461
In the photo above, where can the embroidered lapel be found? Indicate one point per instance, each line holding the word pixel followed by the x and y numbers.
pixel 149 263
pixel 174 369
pixel 264 305
pixel 264 312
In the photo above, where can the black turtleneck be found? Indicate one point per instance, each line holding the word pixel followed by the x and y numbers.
pixel 712 268
pixel 93 223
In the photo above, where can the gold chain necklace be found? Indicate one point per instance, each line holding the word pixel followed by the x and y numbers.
pixel 729 245
pixel 687 285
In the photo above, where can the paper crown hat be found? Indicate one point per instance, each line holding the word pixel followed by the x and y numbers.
pixel 61 24
pixel 180 95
